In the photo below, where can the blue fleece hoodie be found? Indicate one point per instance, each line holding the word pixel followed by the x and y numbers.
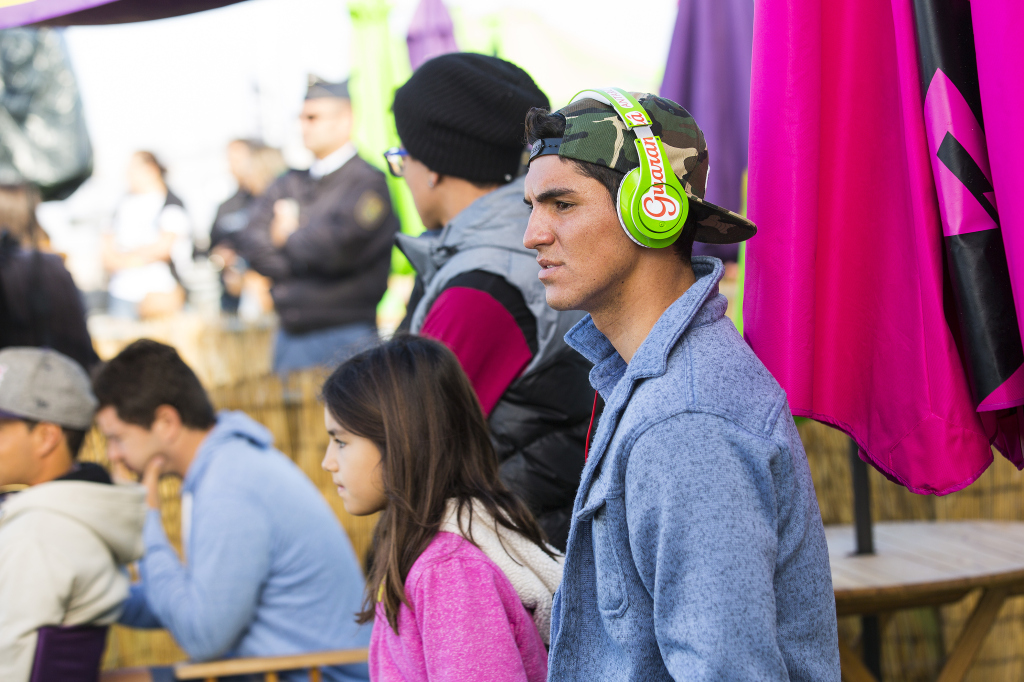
pixel 696 550
pixel 269 570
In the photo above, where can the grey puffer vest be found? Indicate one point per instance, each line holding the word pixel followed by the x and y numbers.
pixel 539 425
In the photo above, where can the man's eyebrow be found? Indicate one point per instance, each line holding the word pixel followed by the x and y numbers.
pixel 553 193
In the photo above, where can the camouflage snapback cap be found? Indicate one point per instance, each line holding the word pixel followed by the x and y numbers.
pixel 595 133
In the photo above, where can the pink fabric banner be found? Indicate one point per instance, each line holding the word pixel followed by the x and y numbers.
pixel 999 42
pixel 844 289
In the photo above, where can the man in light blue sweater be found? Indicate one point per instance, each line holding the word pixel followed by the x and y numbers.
pixel 696 550
pixel 268 570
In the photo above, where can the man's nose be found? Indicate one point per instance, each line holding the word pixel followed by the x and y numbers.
pixel 537 232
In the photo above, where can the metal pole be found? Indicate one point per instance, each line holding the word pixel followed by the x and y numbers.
pixel 871 636
pixel 861 502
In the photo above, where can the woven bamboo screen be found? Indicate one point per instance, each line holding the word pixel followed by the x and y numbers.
pixel 233 362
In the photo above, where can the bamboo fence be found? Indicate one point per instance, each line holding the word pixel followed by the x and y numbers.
pixel 234 364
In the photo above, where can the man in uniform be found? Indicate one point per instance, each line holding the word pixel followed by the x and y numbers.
pixel 324 238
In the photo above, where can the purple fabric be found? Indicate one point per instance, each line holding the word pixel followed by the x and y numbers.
pixel 69 654
pixel 708 73
pixel 93 12
pixel 431 33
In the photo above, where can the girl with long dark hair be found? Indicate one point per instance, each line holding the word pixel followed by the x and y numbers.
pixel 462 579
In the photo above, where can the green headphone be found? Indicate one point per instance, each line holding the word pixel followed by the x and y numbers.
pixel 652 203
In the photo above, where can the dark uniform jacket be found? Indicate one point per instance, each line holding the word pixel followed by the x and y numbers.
pixel 333 270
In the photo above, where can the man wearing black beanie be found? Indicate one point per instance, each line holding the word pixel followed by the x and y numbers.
pixel 461 121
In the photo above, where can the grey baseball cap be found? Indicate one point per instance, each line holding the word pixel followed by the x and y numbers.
pixel 44 385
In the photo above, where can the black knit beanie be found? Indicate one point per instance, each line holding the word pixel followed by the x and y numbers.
pixel 464 115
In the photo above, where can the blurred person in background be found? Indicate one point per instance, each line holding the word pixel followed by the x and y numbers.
pixel 66 539
pixel 255 166
pixel 39 302
pixel 461 118
pixel 324 237
pixel 150 232
pixel 269 570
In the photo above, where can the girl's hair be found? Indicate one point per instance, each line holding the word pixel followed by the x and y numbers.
pixel 412 399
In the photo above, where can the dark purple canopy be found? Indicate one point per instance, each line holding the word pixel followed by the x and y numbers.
pixel 93 12
pixel 708 72
pixel 431 33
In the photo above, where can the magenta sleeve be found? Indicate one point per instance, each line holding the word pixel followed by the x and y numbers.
pixel 485 338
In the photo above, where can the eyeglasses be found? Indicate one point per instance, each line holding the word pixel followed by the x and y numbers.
pixel 396 160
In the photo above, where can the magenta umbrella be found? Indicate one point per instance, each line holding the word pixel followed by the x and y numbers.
pixel 93 12
pixel 431 33
pixel 869 189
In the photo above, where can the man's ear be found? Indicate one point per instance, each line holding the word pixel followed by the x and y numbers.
pixel 166 423
pixel 46 439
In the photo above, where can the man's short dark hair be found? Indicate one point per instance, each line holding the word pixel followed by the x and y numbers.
pixel 73 437
pixel 540 123
pixel 146 375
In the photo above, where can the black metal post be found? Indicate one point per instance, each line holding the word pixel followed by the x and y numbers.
pixel 870 636
pixel 863 530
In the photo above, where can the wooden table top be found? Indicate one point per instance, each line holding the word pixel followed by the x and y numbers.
pixel 920 563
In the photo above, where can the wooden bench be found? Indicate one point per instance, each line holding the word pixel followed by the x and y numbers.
pixel 269 666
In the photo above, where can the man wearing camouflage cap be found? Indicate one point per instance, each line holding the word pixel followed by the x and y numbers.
pixel 696 550
pixel 66 538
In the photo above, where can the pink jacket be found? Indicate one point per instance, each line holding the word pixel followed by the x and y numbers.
pixel 466 623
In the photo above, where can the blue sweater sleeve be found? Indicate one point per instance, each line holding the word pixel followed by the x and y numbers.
pixel 209 603
pixel 701 514
pixel 136 613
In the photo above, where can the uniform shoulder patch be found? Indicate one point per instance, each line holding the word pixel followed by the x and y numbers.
pixel 369 209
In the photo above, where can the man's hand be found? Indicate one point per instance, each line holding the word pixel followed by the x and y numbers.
pixel 286 221
pixel 151 480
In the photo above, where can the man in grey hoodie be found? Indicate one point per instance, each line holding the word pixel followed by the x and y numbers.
pixel 64 540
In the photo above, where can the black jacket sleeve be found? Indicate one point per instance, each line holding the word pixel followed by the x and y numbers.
pixel 340 241
pixel 253 243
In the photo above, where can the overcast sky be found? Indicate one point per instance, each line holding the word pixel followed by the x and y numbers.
pixel 184 87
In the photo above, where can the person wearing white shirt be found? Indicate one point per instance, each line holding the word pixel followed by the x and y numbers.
pixel 150 232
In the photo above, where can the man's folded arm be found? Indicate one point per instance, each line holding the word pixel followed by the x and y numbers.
pixel 343 241
pixel 253 242
pixel 136 612
pixel 701 513
pixel 209 604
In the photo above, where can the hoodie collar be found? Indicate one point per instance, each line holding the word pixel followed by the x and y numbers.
pixel 231 425
pixel 492 211
pixel 701 304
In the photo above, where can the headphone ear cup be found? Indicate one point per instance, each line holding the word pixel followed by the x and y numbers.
pixel 627 204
